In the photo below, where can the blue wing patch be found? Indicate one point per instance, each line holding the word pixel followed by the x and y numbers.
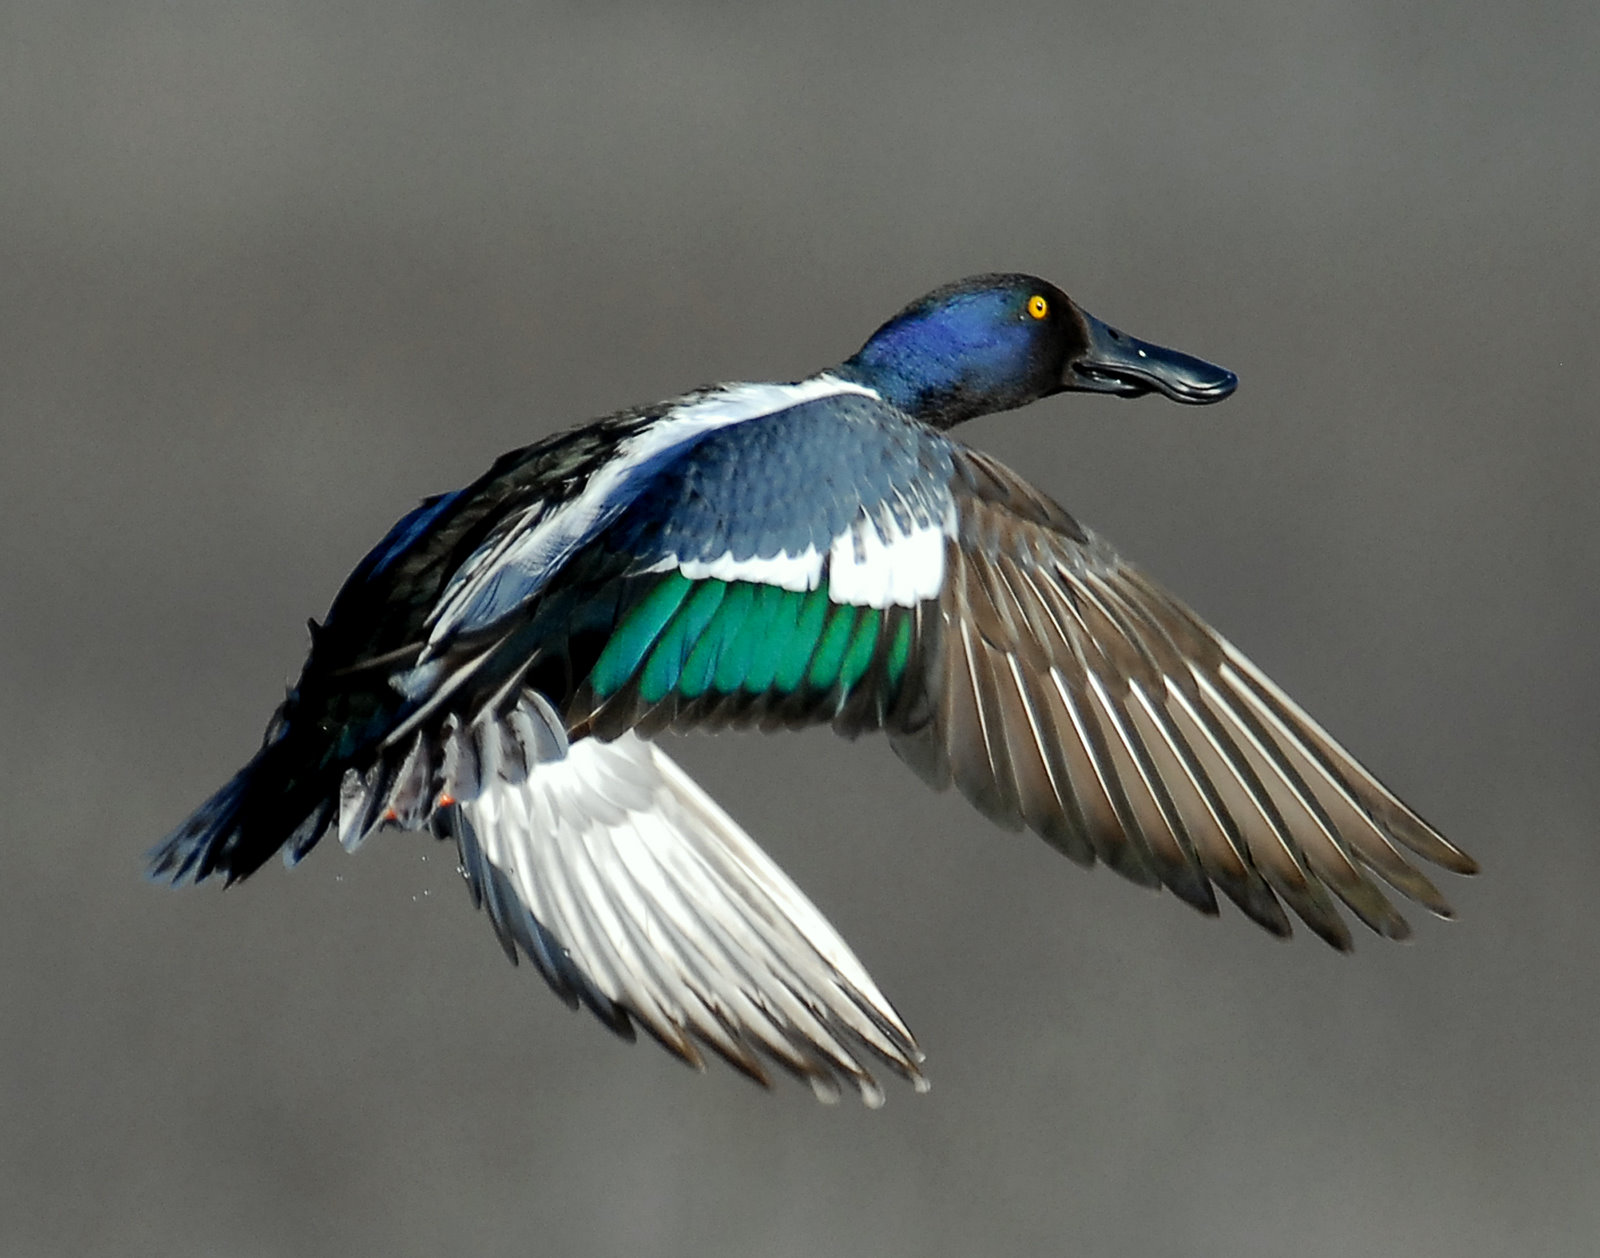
pixel 782 482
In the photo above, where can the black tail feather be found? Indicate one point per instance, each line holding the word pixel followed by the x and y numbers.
pixel 270 802
pixel 191 852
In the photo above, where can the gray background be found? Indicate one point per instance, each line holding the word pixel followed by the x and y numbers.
pixel 269 273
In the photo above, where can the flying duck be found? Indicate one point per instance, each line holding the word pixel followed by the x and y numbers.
pixel 776 556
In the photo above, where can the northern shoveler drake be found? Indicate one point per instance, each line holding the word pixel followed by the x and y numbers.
pixel 777 556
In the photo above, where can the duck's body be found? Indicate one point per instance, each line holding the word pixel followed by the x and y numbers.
pixel 784 555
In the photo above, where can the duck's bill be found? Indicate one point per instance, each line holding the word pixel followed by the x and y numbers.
pixel 1115 362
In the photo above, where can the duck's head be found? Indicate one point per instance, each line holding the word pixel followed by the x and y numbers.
pixel 993 342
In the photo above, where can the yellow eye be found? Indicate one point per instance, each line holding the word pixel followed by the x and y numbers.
pixel 1038 307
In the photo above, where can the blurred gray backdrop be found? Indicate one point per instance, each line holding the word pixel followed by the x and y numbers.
pixel 270 273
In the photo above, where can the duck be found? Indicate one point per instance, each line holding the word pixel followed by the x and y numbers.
pixel 499 669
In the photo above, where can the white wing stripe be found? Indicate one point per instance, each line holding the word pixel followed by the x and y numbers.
pixel 870 564
pixel 876 564
pixel 800 572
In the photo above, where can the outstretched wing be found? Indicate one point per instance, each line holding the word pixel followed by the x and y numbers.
pixel 1021 660
pixel 1074 696
pixel 632 892
pixel 636 896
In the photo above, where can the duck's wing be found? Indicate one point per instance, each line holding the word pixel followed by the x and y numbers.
pixel 1007 650
pixel 1073 695
pixel 632 892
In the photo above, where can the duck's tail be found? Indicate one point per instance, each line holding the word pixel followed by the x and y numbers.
pixel 284 798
